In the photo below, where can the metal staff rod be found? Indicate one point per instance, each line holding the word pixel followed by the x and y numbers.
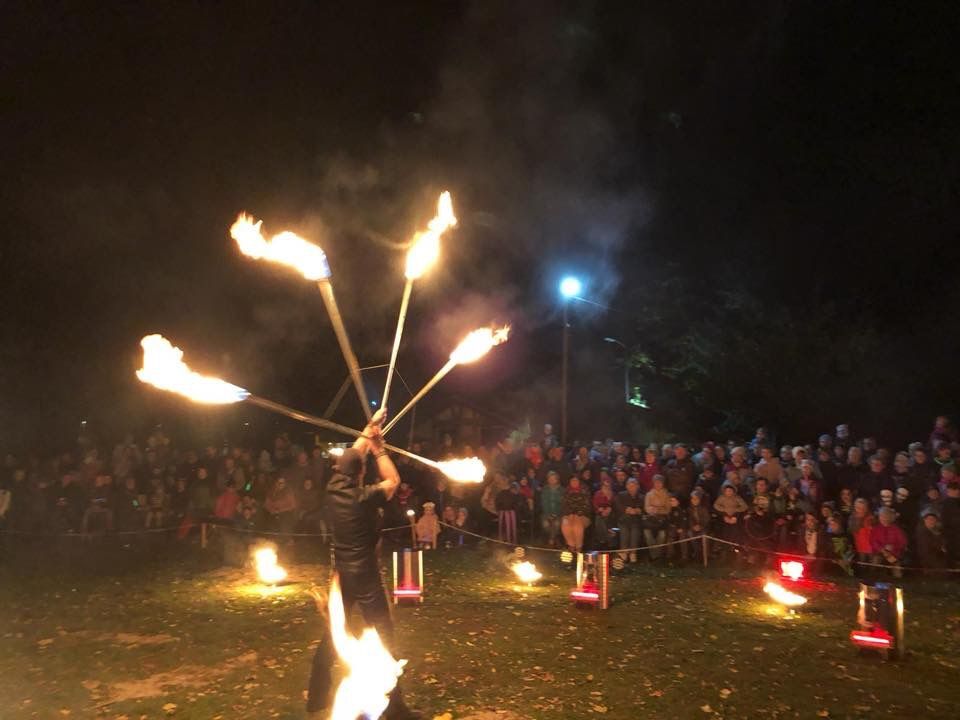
pixel 330 425
pixel 451 364
pixel 326 291
pixel 401 319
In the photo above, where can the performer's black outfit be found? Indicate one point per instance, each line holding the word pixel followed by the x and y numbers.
pixel 352 512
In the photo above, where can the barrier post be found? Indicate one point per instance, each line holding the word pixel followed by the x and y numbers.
pixel 203 536
pixel 706 548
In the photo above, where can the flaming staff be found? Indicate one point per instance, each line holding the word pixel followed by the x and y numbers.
pixel 309 260
pixel 422 254
pixel 372 672
pixel 164 368
pixel 473 347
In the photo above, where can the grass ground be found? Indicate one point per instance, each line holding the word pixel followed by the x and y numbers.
pixel 183 639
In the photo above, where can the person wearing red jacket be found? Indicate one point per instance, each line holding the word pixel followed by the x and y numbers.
pixel 888 541
pixel 225 508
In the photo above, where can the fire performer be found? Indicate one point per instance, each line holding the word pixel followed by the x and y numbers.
pixel 352 508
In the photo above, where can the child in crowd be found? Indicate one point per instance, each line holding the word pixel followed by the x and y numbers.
pixel 551 506
pixel 813 541
pixel 840 549
pixel 509 504
pixel 463 527
pixel 445 538
pixel 698 522
pixel 731 508
pixel 677 529
pixel 888 541
pixel 845 504
pixel 428 527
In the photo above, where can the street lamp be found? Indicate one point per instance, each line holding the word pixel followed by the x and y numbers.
pixel 570 287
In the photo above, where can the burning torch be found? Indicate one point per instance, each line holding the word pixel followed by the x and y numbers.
pixel 473 347
pixel 309 260
pixel 422 254
pixel 164 368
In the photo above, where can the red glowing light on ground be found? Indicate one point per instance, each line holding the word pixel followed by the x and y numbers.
pixel 792 569
pixel 877 639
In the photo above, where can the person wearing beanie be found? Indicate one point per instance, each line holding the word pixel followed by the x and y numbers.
pixel 353 513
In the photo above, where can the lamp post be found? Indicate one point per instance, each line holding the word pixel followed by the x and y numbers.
pixel 626 367
pixel 570 287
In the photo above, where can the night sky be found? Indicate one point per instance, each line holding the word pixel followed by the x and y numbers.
pixel 797 157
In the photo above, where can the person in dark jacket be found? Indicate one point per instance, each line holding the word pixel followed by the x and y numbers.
pixel 923 473
pixel 681 472
pixel 629 511
pixel 353 513
pixel 950 519
pixel 875 479
pixel 510 505
pixel 554 463
pixel 850 474
pixel 931 547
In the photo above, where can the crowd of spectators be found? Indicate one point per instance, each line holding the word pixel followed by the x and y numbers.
pixel 844 502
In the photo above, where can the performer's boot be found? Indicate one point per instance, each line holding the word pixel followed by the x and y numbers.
pixel 398 710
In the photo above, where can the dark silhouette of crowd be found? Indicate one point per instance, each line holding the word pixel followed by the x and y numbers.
pixel 844 503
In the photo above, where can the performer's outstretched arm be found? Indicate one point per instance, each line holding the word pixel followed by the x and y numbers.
pixel 389 477
pixel 372 429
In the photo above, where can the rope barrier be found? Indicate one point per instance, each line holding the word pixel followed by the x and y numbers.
pixel 700 538
pixel 670 543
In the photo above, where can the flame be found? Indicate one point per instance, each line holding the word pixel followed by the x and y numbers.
pixel 287 248
pixel 372 672
pixel 526 571
pixel 426 245
pixel 465 470
pixel 163 367
pixel 478 343
pixel 265 558
pixel 783 596
pixel 791 569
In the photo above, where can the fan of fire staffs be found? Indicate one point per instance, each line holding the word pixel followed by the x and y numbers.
pixel 164 368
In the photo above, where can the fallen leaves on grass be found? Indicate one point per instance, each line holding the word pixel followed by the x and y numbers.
pixel 187 676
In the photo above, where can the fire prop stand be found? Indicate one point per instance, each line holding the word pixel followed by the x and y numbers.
pixel 593 580
pixel 407 575
pixel 881 620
